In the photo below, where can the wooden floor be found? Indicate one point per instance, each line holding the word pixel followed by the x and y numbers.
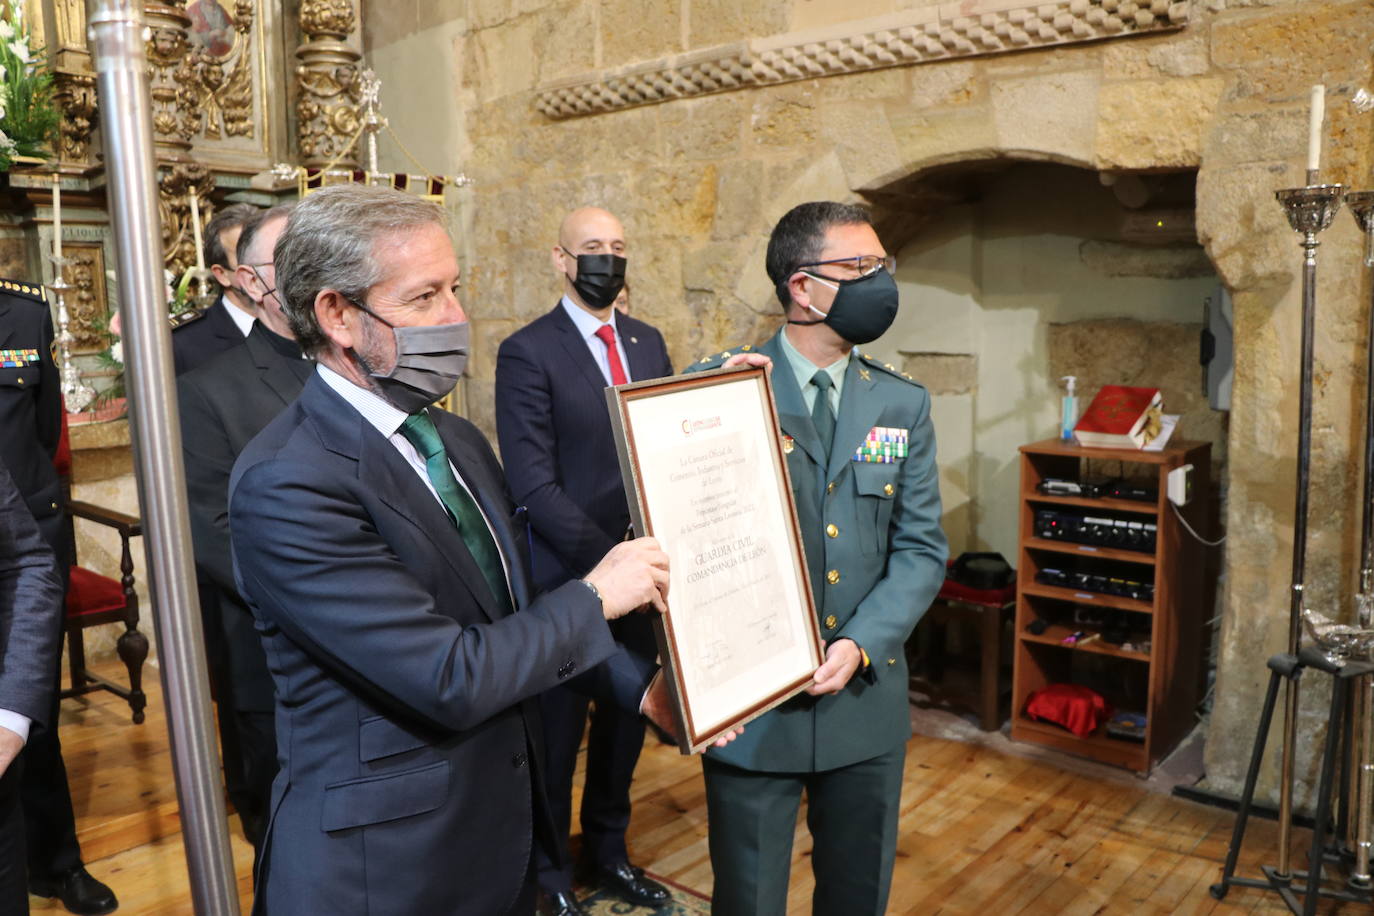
pixel 981 832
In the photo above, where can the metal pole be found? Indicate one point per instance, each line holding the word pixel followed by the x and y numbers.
pixel 116 40
pixel 1310 210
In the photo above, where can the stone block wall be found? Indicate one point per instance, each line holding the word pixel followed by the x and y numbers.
pixel 698 182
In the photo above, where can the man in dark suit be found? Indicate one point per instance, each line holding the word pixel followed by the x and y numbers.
pixel 31 417
pixel 381 554
pixel 223 405
pixel 198 335
pixel 870 524
pixel 30 647
pixel 560 459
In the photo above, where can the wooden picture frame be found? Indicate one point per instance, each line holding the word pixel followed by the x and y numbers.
pixel 706 474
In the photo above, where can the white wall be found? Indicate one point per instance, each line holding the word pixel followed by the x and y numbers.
pixel 988 279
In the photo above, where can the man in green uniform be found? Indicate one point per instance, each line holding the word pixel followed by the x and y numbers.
pixel 861 453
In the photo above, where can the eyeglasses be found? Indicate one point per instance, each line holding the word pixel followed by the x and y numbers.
pixel 271 290
pixel 863 265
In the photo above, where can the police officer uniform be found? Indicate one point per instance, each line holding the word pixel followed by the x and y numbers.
pixel 869 512
pixel 31 417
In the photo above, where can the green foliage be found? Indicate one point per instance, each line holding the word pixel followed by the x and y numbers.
pixel 29 115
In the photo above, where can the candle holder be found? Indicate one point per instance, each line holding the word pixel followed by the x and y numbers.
pixel 1361 204
pixel 76 394
pixel 198 287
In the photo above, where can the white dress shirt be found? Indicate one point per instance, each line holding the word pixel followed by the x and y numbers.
pixel 242 319
pixel 387 419
pixel 587 325
pixel 15 723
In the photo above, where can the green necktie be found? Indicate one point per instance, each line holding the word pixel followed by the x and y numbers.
pixel 820 411
pixel 462 508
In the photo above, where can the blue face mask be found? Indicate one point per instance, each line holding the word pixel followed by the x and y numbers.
pixel 863 308
pixel 429 362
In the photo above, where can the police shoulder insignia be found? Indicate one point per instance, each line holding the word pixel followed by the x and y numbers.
pixel 887 369
pixel 181 319
pixel 32 291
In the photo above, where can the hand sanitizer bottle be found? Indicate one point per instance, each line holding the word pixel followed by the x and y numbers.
pixel 1069 414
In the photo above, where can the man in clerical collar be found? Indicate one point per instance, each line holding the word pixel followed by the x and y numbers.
pixel 224 404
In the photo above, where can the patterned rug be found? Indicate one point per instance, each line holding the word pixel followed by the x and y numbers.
pixel 685 903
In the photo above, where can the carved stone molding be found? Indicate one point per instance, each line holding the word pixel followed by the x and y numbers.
pixel 942 32
pixel 224 80
pixel 328 86
pixel 174 211
pixel 75 95
pixel 86 302
pixel 171 78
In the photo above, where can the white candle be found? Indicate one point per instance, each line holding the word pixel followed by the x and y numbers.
pixel 1314 128
pixel 57 218
pixel 195 227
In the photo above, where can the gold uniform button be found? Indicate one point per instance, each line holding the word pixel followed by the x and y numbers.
pixel 887 489
pixel 830 487
pixel 21 381
pixel 832 531
pixel 833 576
pixel 830 622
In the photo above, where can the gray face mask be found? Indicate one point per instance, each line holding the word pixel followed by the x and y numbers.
pixel 429 362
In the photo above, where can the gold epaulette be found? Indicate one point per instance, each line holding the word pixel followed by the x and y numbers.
pixel 32 291
pixel 890 369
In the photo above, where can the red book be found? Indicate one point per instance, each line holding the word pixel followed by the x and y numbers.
pixel 1120 417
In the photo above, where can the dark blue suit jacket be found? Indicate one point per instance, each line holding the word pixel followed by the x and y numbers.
pixel 556 442
pixel 558 449
pixel 30 609
pixel 406 727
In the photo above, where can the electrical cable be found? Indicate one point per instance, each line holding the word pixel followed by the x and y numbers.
pixel 1200 538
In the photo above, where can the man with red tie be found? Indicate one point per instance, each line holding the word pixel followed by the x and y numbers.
pixel 560 460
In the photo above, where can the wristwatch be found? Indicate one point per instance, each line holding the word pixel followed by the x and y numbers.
pixel 595 591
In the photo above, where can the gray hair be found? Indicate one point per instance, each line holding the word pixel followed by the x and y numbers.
pixel 330 242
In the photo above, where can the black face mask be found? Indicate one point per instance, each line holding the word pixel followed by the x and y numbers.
pixel 600 278
pixel 863 309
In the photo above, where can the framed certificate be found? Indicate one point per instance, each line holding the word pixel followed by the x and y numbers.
pixel 705 474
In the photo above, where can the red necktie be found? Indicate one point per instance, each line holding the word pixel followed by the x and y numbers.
pixel 607 335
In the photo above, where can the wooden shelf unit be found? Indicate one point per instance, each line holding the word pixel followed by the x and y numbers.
pixel 1162 684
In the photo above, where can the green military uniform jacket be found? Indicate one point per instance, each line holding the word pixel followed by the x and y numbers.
pixel 876 556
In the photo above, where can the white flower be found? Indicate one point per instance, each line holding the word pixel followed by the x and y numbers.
pixel 3 72
pixel 7 146
pixel 6 30
pixel 117 351
pixel 20 50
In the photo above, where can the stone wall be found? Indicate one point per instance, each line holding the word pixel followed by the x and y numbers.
pixel 699 181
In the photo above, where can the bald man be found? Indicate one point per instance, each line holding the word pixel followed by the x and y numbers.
pixel 560 460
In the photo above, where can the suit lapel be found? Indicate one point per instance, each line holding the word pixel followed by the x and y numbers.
pixel 642 357
pixel 490 496
pixel 858 411
pixel 273 369
pixel 792 413
pixel 346 432
pixel 577 351
pixel 398 485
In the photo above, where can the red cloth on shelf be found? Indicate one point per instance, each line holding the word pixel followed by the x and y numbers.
pixel 1079 709
pixel 989 597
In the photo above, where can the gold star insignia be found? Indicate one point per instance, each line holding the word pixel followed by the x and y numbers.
pixel 747 347
pixel 863 374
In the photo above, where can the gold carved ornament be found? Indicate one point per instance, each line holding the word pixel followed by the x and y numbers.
pixel 224 83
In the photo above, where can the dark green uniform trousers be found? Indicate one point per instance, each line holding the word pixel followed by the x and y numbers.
pixel 851 812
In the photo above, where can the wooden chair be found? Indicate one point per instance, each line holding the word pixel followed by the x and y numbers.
pixel 93 599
